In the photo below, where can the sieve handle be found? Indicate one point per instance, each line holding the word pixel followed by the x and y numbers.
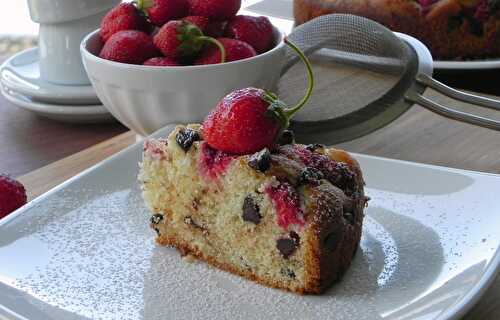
pixel 452 113
pixel 459 95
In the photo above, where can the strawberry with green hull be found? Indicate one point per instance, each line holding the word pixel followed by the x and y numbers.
pixel 179 39
pixel 248 120
pixel 125 16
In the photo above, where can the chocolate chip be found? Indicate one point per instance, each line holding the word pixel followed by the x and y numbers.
pixel 156 218
pixel 157 231
pixel 261 160
pixel 310 176
pixel 186 137
pixel 332 240
pixel 286 247
pixel 295 237
pixel 314 147
pixel 251 211
pixel 287 137
pixel 288 273
pixel 349 216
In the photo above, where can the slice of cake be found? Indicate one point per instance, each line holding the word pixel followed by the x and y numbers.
pixel 288 218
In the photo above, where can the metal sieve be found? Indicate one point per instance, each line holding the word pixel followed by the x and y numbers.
pixel 366 76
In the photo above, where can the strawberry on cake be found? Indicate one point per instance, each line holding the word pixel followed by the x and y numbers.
pixel 238 193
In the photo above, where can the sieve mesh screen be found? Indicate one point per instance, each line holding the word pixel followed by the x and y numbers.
pixel 362 71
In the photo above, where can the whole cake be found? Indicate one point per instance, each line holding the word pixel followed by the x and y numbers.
pixel 452 29
pixel 290 218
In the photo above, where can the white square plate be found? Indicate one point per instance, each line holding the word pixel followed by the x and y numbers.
pixel 84 250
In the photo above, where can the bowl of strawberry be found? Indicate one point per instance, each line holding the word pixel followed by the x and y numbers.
pixel 156 62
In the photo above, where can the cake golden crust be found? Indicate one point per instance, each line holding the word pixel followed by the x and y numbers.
pixel 231 220
pixel 449 29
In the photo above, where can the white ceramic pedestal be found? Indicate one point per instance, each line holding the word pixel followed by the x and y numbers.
pixel 63 24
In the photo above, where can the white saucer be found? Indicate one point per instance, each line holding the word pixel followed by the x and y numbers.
pixel 64 113
pixel 21 73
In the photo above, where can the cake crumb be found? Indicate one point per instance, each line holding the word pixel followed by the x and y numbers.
pixel 189 258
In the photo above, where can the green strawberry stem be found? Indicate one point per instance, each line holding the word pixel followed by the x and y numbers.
pixel 218 44
pixel 192 40
pixel 144 4
pixel 289 112
pixel 277 108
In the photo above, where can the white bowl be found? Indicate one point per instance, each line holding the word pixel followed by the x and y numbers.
pixel 146 98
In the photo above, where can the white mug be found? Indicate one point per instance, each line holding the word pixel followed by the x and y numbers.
pixel 63 24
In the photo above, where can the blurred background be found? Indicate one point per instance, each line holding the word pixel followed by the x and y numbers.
pixel 17 31
pixel 28 142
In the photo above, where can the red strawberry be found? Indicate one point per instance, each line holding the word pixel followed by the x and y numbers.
pixel 161 61
pixel 256 31
pixel 180 39
pixel 248 120
pixel 210 28
pixel 12 195
pixel 214 9
pixel 162 11
pixel 215 29
pixel 239 124
pixel 129 46
pixel 124 16
pixel 235 50
pixel 199 21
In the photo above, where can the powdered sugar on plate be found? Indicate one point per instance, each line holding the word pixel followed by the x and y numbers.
pixel 86 251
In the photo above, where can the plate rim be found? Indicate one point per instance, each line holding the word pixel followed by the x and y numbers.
pixel 454 312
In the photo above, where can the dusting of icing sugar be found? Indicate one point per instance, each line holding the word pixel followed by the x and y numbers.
pixel 84 268
pixel 100 269
pixel 89 253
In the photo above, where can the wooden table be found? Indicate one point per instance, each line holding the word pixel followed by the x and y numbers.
pixel 28 142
